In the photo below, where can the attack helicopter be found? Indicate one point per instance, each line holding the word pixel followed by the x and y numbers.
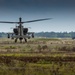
pixel 19 32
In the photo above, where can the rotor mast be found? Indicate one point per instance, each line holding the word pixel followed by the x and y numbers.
pixel 20 25
pixel 20 20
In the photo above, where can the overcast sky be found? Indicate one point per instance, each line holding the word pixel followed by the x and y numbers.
pixel 62 12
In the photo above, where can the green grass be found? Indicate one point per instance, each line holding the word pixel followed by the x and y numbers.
pixel 39 56
pixel 40 69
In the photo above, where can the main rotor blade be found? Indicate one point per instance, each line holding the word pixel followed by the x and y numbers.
pixel 26 21
pixel 37 20
pixel 7 22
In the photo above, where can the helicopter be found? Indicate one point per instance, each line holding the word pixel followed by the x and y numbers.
pixel 20 32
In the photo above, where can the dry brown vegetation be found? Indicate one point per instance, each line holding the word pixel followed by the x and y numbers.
pixel 39 56
pixel 38 45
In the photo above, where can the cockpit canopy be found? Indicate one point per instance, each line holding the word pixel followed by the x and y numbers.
pixel 16 31
pixel 25 30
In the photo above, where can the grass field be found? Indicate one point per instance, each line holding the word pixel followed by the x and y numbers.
pixel 39 56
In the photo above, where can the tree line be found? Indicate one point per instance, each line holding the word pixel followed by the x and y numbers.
pixel 48 34
pixel 56 34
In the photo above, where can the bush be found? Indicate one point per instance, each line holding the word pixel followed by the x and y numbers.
pixel 44 47
pixel 39 48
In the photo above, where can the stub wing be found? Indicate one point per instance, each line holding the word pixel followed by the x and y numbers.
pixel 30 33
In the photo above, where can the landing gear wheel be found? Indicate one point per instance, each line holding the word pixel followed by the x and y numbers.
pixel 25 40
pixel 15 40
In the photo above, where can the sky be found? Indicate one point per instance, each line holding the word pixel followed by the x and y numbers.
pixel 62 13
